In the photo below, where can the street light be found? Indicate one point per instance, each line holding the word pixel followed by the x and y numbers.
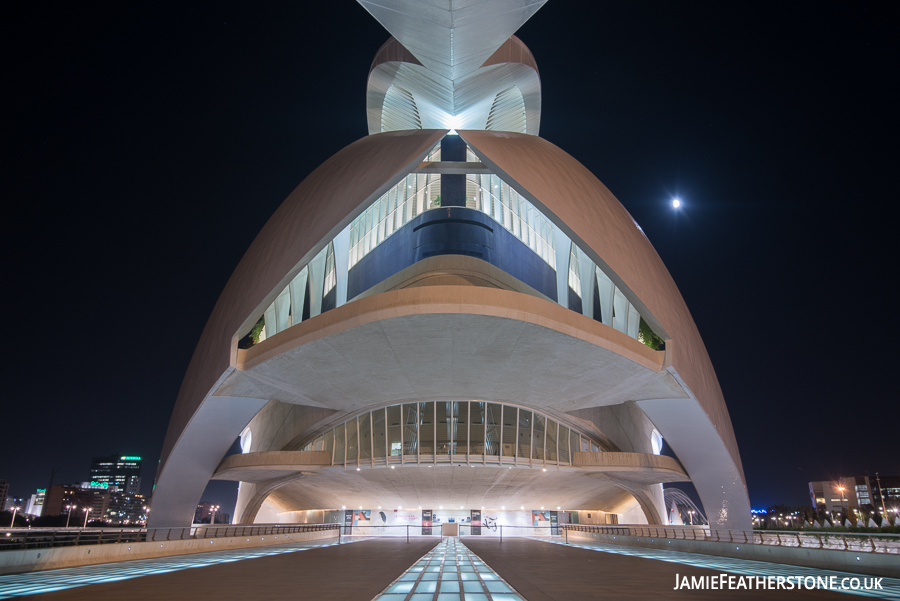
pixel 841 488
pixel 691 511
pixel 69 509
pixel 212 520
pixel 87 512
pixel 15 509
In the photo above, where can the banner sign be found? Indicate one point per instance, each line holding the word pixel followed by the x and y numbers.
pixel 475 522
pixel 554 522
pixel 426 521
pixel 348 521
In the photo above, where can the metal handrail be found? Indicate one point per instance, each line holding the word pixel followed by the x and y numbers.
pixel 436 529
pixel 857 541
pixel 31 538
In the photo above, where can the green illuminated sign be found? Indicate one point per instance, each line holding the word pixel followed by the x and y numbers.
pixel 130 458
pixel 42 490
pixel 99 484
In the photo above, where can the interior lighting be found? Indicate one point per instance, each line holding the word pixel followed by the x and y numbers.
pixel 523 507
pixel 676 203
pixel 545 469
pixel 357 469
pixel 392 467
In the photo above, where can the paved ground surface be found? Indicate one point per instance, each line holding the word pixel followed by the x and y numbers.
pixel 542 571
pixel 337 573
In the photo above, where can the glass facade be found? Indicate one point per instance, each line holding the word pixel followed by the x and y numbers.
pixel 451 431
pixel 497 199
pixel 419 192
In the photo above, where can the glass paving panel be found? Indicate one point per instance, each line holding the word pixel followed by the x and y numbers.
pixel 449 572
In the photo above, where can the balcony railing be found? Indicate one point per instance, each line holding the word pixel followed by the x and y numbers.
pixel 839 541
pixel 37 538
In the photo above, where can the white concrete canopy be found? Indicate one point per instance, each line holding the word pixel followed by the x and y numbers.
pixel 452 37
pixel 416 96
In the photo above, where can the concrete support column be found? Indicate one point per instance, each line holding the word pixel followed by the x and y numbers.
pixel 198 452
pixel 715 475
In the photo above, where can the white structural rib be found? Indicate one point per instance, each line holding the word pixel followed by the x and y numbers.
pixel 452 38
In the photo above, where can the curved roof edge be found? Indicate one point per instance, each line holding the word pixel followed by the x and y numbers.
pixel 549 177
pixel 320 207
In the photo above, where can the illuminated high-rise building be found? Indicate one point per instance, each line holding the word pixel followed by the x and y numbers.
pixel 122 471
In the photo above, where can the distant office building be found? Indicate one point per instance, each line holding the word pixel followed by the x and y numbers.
pixel 12 502
pixel 4 491
pixel 886 494
pixel 834 496
pixel 126 509
pixel 60 497
pixel 121 471
pixel 35 504
pixel 205 510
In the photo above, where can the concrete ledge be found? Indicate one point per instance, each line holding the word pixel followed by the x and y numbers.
pixel 35 560
pixel 262 466
pixel 876 564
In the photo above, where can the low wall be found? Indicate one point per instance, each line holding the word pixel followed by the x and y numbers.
pixel 34 560
pixel 876 564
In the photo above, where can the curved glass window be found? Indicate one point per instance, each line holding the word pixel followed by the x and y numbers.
pixel 315 290
pixel 450 432
pixel 574 272
pixel 497 199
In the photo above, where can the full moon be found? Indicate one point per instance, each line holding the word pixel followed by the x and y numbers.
pixel 676 203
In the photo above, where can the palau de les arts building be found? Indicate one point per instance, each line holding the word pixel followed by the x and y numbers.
pixel 451 314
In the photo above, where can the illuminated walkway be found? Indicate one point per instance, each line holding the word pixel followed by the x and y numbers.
pixel 449 572
pixel 596 570
pixel 390 569
pixel 324 570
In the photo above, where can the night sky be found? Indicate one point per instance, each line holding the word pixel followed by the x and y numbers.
pixel 146 144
